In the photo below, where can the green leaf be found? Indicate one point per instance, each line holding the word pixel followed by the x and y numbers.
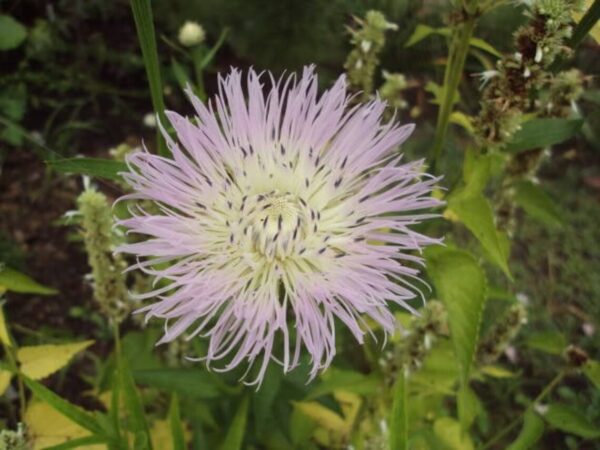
pixel 176 424
pixel 144 24
pixel 235 434
pixel 461 284
pixel 542 133
pixel 536 202
pixel 532 431
pixel 73 412
pixel 188 382
pixel 347 380
pixel 16 281
pixel 420 33
pixel 399 415
pixel 96 167
pixel 475 212
pixel 12 33
pixel 301 427
pixel 448 431
pixel 592 371
pixel 135 408
pixel 551 342
pixel 571 420
pixel 424 31
pixel 181 74
pixel 262 400
pixel 79 443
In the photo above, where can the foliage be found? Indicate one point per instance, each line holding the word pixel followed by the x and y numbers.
pixel 503 353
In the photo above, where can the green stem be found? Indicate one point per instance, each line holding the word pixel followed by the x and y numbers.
pixel 459 48
pixel 586 23
pixel 198 57
pixel 549 388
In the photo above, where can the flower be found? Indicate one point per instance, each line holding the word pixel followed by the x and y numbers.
pixel 279 215
pixel 191 33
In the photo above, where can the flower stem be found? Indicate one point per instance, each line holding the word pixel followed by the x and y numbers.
pixel 549 388
pixel 459 47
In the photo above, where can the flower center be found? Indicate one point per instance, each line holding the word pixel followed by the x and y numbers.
pixel 275 224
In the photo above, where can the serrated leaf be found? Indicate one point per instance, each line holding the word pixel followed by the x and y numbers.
pixel 16 281
pixel 12 33
pixel 592 371
pixel 72 412
pixel 532 431
pixel 571 420
pixel 40 361
pixel 461 284
pixel 449 432
pixel 475 212
pixel 48 428
pixel 347 380
pixel 538 204
pixel 95 167
pixel 235 434
pixel 399 414
pixel 543 133
pixel 189 382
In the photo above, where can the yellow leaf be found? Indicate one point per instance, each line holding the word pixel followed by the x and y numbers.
pixel 4 337
pixel 497 372
pixel 42 360
pixel 323 416
pixel 5 377
pixel 350 405
pixel 47 427
pixel 161 437
pixel 449 432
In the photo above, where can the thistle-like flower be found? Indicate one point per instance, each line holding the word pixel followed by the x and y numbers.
pixel 280 215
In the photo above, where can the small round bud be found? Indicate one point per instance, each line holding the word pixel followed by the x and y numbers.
pixel 150 120
pixel 191 33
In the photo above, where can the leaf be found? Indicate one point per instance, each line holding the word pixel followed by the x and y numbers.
pixel 461 284
pixel 177 429
pixel 532 431
pixel 41 361
pixel 96 167
pixel 592 371
pixel 463 120
pixel 301 427
pixel 423 31
pixel 48 428
pixel 347 380
pixel 471 404
pixel 235 434
pixel 542 133
pixel 322 416
pixel 144 24
pixel 12 33
pixel 134 406
pixel 162 435
pixel 16 281
pixel 262 400
pixel 475 212
pixel 449 433
pixel 82 442
pixel 538 204
pixel 193 383
pixel 399 414
pixel 181 75
pixel 551 342
pixel 4 335
pixel 5 377
pixel 497 372
pixel 72 412
pixel 571 420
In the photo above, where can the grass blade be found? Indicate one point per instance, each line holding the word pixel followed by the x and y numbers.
pixel 399 417
pixel 176 424
pixel 144 24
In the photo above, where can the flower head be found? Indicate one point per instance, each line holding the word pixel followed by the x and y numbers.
pixel 280 214
pixel 191 33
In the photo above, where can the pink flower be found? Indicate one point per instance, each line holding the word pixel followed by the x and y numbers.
pixel 280 214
